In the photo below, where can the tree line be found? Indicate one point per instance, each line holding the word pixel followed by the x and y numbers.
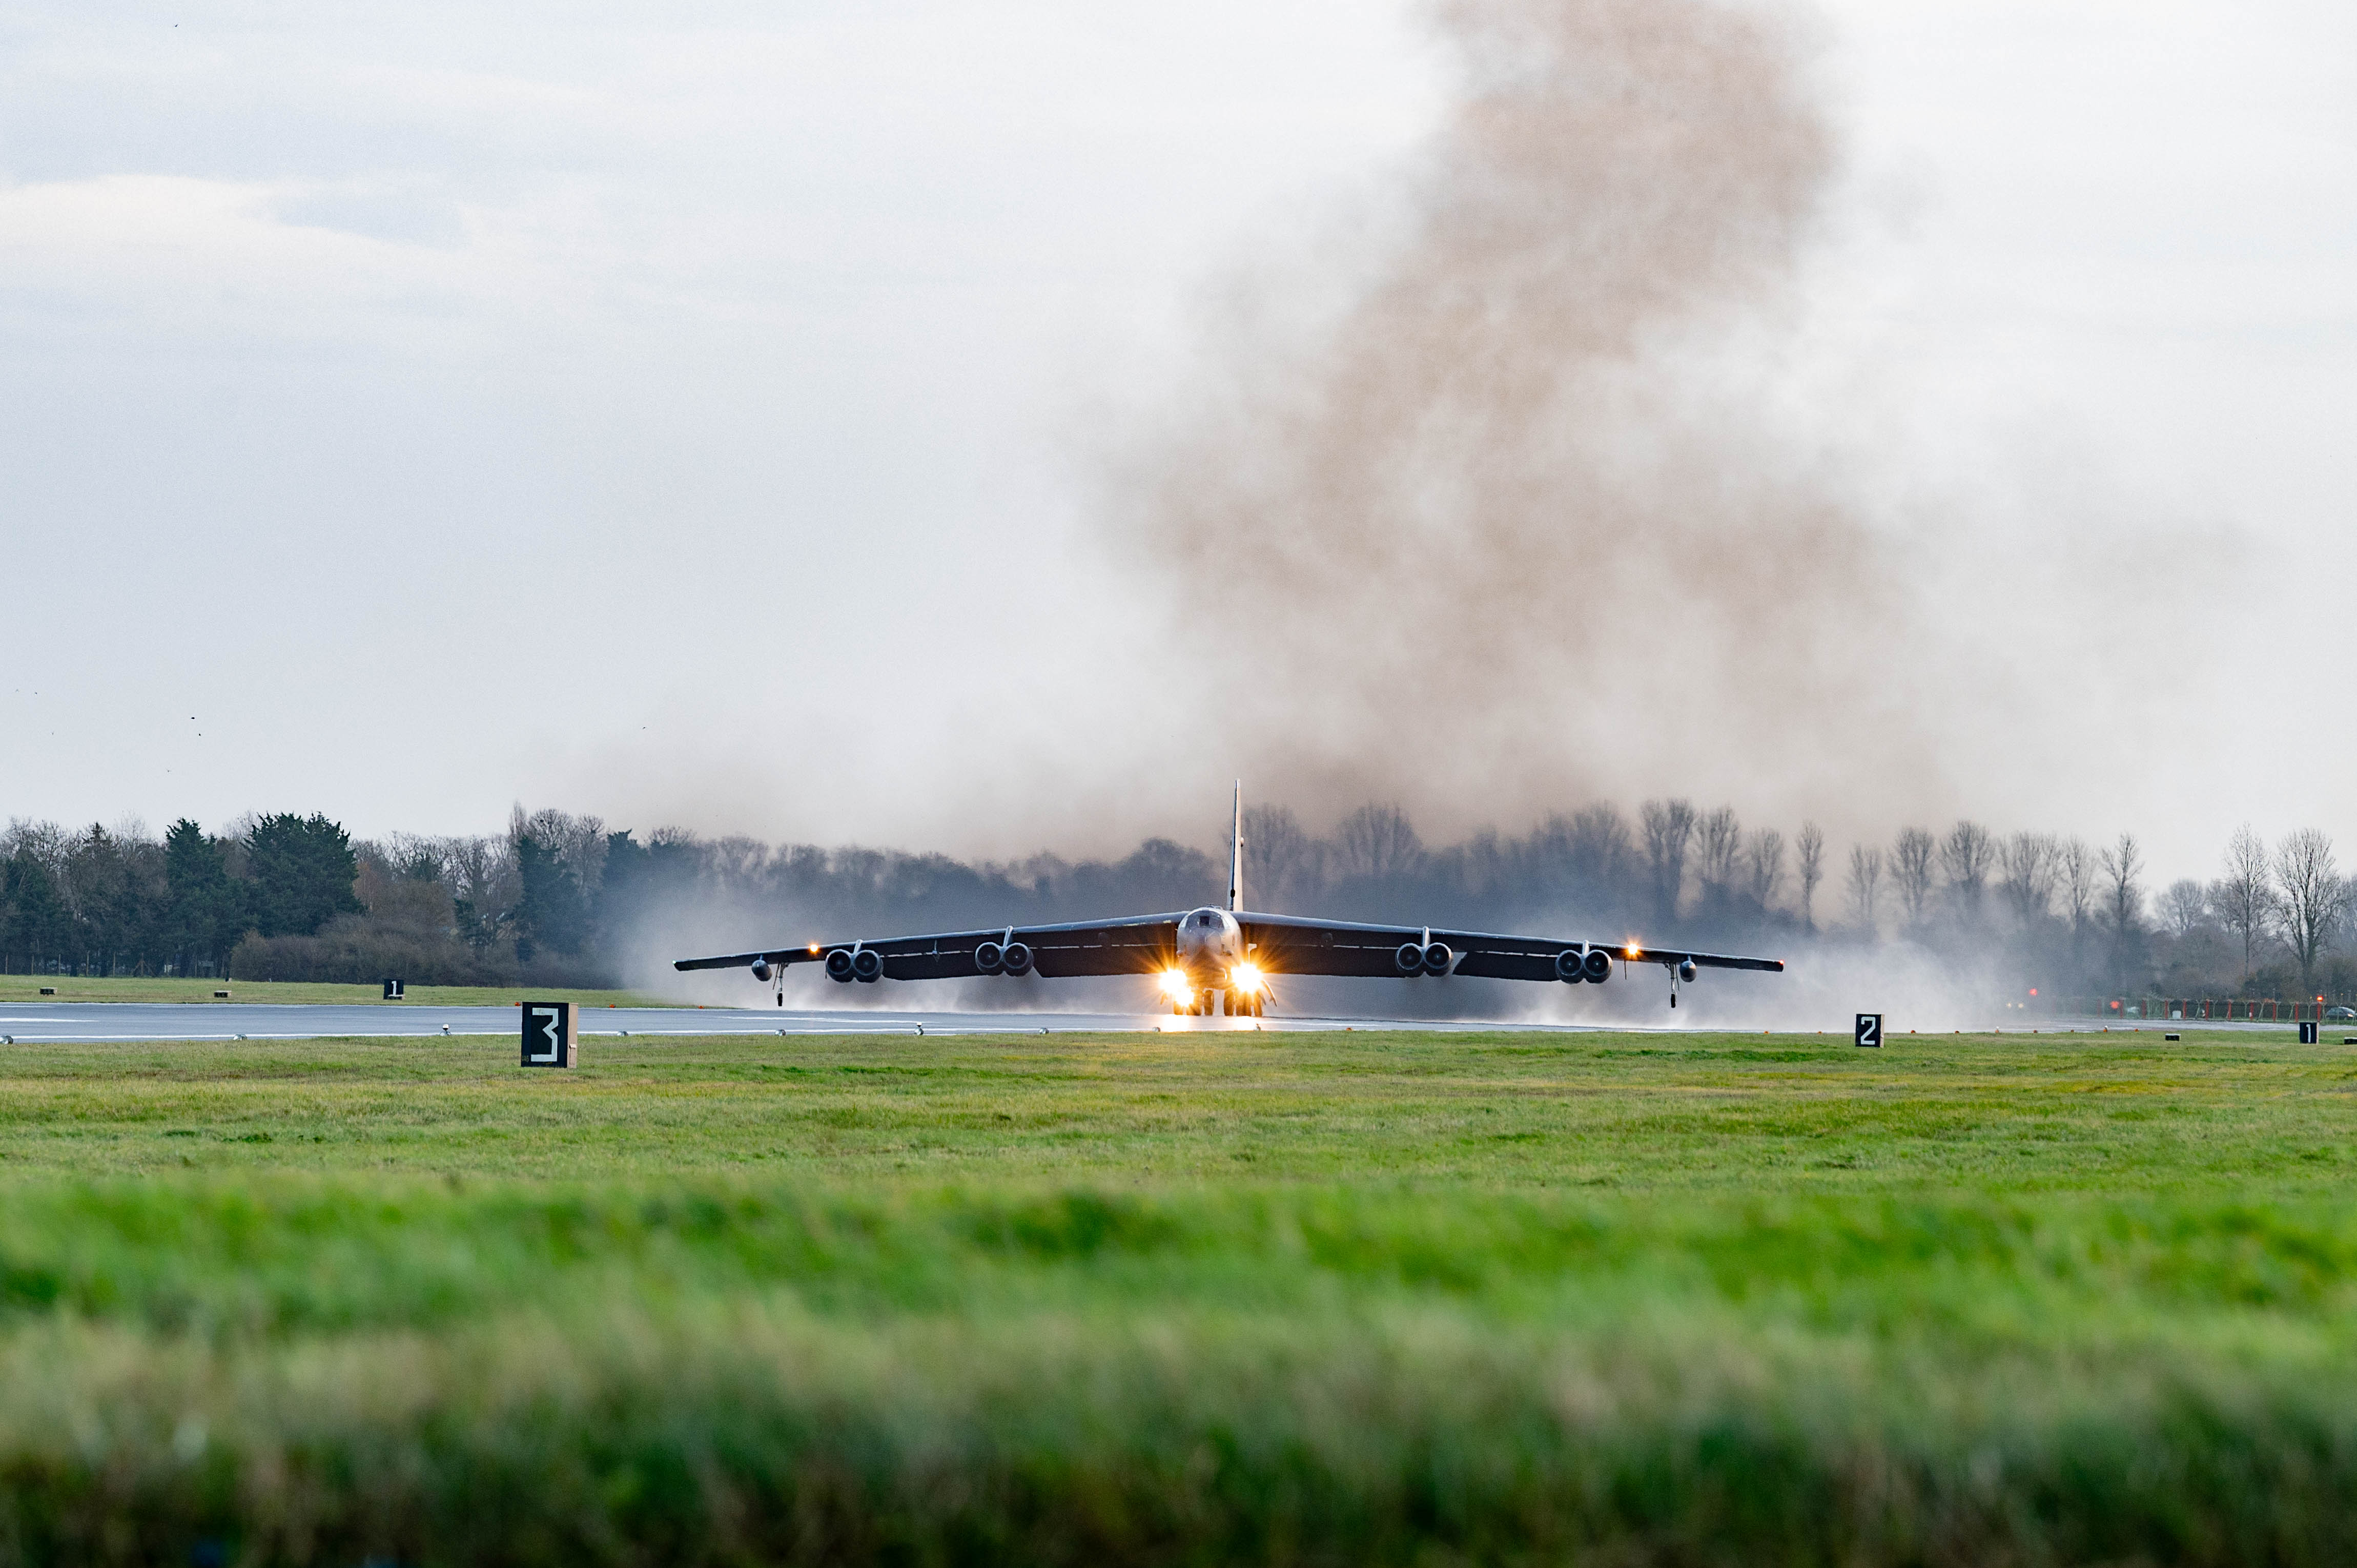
pixel 98 901
pixel 561 898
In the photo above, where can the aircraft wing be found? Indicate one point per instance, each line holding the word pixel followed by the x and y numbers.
pixel 1280 944
pixel 1287 944
pixel 1140 945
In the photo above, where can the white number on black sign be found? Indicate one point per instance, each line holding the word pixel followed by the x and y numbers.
pixel 543 1041
pixel 1869 1028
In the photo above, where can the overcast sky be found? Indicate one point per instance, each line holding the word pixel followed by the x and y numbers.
pixel 405 415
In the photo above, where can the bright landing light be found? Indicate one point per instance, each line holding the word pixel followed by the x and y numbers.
pixel 1173 983
pixel 1244 977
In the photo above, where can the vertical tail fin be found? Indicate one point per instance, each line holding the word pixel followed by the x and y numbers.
pixel 1236 852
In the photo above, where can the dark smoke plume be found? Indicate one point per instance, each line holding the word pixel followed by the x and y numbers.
pixel 1493 523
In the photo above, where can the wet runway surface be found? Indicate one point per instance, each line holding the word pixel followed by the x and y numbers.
pixel 28 1022
pixel 25 1023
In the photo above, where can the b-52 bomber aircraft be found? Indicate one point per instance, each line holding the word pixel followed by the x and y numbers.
pixel 1209 961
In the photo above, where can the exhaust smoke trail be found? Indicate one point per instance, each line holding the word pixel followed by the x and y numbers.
pixel 1494 490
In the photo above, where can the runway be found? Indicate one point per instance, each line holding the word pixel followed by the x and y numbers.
pixel 62 1023
pixel 36 1023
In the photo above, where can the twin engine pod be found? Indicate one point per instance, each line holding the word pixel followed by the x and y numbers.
pixel 1431 958
pixel 1594 966
pixel 866 965
pixel 1013 958
pixel 762 971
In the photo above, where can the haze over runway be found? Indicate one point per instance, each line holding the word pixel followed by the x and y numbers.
pixel 34 1023
pixel 37 1024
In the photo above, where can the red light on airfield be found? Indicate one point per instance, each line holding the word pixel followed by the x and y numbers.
pixel 2115 1006
pixel 2033 991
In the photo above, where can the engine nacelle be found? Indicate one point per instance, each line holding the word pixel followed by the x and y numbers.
pixel 1571 966
pixel 762 971
pixel 838 965
pixel 1686 970
pixel 990 958
pixel 1016 958
pixel 867 966
pixel 1438 958
pixel 1410 958
pixel 1597 966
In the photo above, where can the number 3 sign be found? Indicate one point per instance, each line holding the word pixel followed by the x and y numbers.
pixel 548 1039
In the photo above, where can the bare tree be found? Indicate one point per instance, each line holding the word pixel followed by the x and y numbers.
pixel 1811 847
pixel 2184 906
pixel 1865 877
pixel 1764 860
pixel 737 861
pixel 2245 894
pixel 1910 868
pixel 579 843
pixel 1965 857
pixel 1280 860
pixel 1718 839
pixel 2028 863
pixel 48 842
pixel 2078 880
pixel 1376 842
pixel 1597 845
pixel 2123 866
pixel 1669 827
pixel 2309 893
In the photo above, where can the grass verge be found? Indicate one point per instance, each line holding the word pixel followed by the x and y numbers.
pixel 1675 1299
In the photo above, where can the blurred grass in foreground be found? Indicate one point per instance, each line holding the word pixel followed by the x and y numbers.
pixel 1673 1299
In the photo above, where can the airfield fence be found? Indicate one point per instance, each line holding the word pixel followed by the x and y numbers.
pixel 2224 1009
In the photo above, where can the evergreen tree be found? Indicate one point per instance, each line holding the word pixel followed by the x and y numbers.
pixel 302 870
pixel 552 913
pixel 205 909
pixel 38 929
pixel 638 879
pixel 114 884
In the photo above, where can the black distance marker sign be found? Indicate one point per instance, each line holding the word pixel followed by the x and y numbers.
pixel 1869 1030
pixel 2307 1032
pixel 548 1034
pixel 394 991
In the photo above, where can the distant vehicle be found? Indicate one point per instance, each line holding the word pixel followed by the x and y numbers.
pixel 1212 961
pixel 2340 1011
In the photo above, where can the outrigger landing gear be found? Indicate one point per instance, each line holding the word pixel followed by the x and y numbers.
pixel 1682 969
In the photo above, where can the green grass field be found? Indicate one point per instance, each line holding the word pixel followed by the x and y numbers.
pixel 1182 1298
pixel 70 988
